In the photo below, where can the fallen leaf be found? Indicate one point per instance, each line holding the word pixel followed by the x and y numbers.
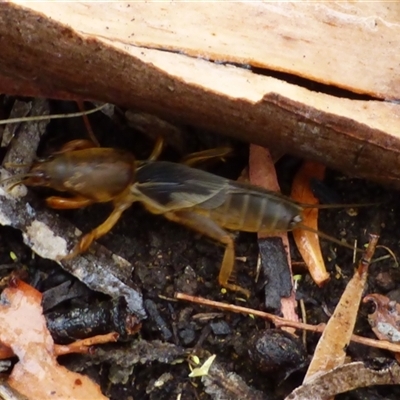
pixel 331 348
pixel 308 242
pixel 345 378
pixel 385 320
pixel 37 375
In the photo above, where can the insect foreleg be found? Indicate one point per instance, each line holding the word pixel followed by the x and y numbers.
pixel 101 230
pixel 67 203
pixel 158 148
pixel 209 228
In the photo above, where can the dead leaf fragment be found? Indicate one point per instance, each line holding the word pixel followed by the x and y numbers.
pixel 385 320
pixel 331 348
pixel 345 378
pixel 308 242
pixel 37 375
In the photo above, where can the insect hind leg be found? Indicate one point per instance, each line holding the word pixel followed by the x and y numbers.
pixel 208 227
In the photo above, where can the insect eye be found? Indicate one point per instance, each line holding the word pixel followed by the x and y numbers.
pixel 38 178
pixel 41 160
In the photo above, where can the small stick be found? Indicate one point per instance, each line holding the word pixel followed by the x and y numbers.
pixel 45 117
pixel 278 321
pixel 83 345
pixel 369 253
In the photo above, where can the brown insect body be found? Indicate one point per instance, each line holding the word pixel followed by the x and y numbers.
pixel 204 202
pixel 99 174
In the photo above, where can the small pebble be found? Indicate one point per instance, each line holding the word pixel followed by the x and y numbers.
pixel 385 281
pixel 220 328
pixel 187 335
pixel 277 350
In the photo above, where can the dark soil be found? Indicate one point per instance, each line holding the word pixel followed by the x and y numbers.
pixel 167 258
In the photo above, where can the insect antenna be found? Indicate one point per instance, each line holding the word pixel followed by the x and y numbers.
pixel 47 117
pixel 15 165
pixel 330 238
pixel 19 179
pixel 328 206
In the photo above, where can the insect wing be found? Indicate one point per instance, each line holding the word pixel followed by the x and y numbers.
pixel 168 186
pixel 176 186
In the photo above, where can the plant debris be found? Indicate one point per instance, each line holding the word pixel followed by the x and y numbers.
pixel 345 378
pixel 274 248
pixel 331 349
pixel 385 320
pixel 37 375
pixel 308 242
pixel 140 352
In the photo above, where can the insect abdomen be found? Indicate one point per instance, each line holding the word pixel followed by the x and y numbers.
pixel 255 212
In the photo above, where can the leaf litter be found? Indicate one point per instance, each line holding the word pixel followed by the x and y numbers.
pixel 37 375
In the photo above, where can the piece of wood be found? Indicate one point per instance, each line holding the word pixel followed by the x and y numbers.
pixel 279 277
pixel 116 53
pixel 308 40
